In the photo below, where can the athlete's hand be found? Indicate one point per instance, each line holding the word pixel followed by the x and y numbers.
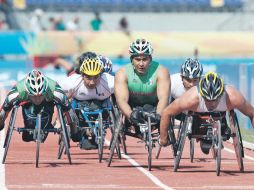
pixel 163 142
pixel 156 118
pixel 136 116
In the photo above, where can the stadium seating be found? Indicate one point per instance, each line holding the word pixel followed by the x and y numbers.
pixel 130 5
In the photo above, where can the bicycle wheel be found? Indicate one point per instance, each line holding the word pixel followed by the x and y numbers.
pixel 149 144
pixel 181 141
pixel 192 141
pixel 100 137
pixel 237 141
pixel 9 133
pixel 218 145
pixel 38 138
pixel 65 133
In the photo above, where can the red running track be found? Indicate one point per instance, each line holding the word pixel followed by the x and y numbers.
pixel 87 173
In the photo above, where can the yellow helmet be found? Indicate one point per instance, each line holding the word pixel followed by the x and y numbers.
pixel 211 86
pixel 91 66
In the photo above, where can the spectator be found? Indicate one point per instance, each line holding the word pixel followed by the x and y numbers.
pixel 73 25
pixel 196 53
pixel 59 24
pixel 7 9
pixel 52 23
pixel 3 24
pixel 35 22
pixel 96 22
pixel 124 26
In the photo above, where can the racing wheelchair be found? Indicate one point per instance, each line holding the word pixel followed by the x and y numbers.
pixel 210 130
pixel 39 132
pixel 149 137
pixel 95 117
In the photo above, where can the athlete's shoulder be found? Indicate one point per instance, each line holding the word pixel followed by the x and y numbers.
pixel 176 77
pixel 107 76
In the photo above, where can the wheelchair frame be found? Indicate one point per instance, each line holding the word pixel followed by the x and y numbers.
pixel 37 133
pixel 148 138
pixel 214 134
pixel 98 126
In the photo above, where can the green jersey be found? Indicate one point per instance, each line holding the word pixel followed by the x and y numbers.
pixel 19 94
pixel 142 88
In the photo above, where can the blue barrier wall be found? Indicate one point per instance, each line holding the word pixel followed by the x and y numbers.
pixel 10 42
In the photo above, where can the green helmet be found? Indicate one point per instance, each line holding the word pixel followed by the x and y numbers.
pixel 36 83
pixel 140 47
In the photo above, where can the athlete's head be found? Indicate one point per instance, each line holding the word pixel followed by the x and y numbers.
pixel 191 71
pixel 82 58
pixel 107 64
pixel 91 69
pixel 141 55
pixel 36 85
pixel 211 87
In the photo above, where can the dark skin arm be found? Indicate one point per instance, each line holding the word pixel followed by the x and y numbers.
pixel 163 89
pixel 122 92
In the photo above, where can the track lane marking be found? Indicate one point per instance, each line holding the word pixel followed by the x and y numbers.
pixel 2 136
pixel 148 174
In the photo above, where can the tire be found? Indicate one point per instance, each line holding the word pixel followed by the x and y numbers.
pixel 113 120
pixel 181 141
pixel 218 147
pixel 65 136
pixel 117 131
pixel 38 138
pixel 238 145
pixel 61 147
pixel 9 133
pixel 149 144
pixel 192 143
pixel 100 137
pixel 158 152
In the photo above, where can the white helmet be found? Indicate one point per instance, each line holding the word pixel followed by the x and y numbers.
pixel 35 83
pixel 140 47
pixel 191 68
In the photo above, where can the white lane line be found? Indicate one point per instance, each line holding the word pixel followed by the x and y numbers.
pixel 92 186
pixel 245 156
pixel 78 186
pixel 154 179
pixel 2 136
pixel 218 187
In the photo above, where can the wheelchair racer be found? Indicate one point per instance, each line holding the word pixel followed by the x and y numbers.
pixel 91 88
pixel 37 93
pixel 211 95
pixel 140 83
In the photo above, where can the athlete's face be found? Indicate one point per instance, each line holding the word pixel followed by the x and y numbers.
pixel 141 63
pixel 211 105
pixel 37 100
pixel 91 81
pixel 188 83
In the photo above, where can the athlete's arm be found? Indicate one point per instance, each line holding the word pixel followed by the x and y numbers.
pixel 122 92
pixel 236 100
pixel 11 97
pixel 187 102
pixel 163 89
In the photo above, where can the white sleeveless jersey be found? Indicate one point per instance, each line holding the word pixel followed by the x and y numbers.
pixel 177 88
pixel 222 106
pixel 74 87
